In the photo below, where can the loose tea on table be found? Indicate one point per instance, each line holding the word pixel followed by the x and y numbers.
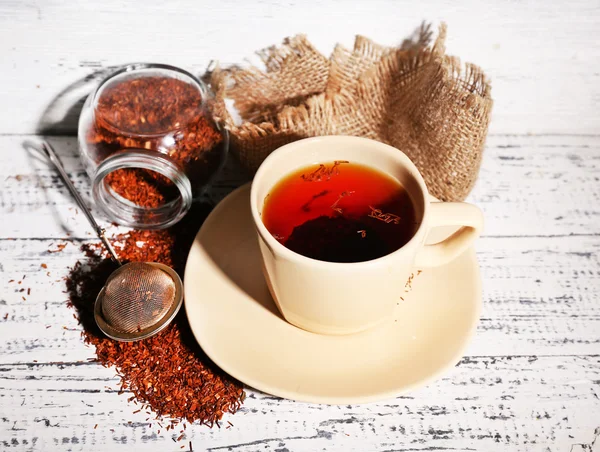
pixel 167 373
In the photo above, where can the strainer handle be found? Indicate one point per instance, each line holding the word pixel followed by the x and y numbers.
pixel 63 174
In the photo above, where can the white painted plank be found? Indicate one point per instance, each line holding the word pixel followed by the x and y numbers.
pixel 521 403
pixel 528 185
pixel 543 60
pixel 540 297
pixel 540 185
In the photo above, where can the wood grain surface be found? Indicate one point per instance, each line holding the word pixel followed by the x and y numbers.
pixel 530 380
pixel 542 57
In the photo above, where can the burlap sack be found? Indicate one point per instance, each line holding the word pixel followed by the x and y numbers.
pixel 414 98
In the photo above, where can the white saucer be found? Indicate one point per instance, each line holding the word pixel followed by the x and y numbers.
pixel 235 321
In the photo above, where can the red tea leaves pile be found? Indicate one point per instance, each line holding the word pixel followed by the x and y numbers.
pixel 167 373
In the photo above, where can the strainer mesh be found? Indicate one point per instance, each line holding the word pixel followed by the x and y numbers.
pixel 137 296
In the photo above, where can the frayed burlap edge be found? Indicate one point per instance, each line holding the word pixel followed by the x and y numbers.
pixel 415 98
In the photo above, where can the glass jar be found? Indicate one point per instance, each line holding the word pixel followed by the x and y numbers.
pixel 150 144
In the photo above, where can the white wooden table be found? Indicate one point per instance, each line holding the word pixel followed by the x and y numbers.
pixel 531 377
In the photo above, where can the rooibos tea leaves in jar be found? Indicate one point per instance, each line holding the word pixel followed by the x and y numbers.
pixel 340 212
pixel 150 145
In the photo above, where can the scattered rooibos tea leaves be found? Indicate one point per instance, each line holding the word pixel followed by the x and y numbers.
pixel 167 373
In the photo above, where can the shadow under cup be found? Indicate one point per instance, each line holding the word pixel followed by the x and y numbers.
pixel 329 297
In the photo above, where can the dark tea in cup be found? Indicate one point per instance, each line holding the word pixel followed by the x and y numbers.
pixel 340 212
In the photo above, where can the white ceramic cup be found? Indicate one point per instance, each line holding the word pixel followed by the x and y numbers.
pixel 343 298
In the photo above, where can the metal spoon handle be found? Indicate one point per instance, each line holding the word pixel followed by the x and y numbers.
pixel 63 174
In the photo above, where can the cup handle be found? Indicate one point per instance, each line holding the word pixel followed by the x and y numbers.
pixel 462 214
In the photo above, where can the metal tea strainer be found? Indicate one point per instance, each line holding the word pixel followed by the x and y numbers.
pixel 139 299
